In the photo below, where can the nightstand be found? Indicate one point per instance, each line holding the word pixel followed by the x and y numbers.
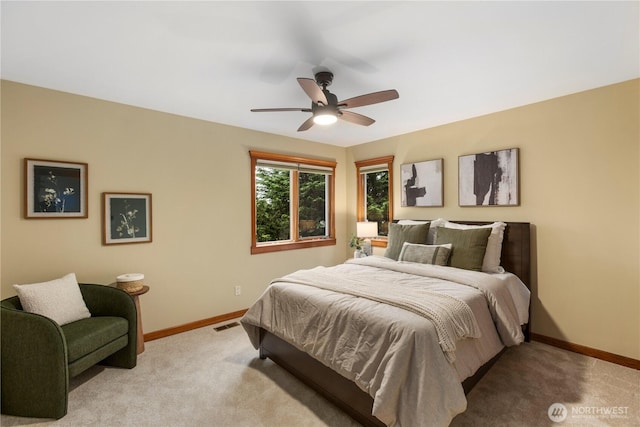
pixel 136 299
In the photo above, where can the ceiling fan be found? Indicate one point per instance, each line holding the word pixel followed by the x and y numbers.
pixel 325 107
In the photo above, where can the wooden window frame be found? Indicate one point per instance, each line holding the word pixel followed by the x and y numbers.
pixel 295 242
pixel 380 241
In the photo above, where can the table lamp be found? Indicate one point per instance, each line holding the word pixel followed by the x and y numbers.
pixel 367 230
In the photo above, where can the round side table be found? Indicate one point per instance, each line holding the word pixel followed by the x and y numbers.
pixel 135 296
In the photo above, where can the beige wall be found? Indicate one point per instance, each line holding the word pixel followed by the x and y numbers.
pixel 580 186
pixel 199 175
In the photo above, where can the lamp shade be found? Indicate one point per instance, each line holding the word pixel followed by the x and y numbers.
pixel 366 229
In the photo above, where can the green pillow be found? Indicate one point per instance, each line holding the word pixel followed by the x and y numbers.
pixel 401 233
pixel 425 254
pixel 469 246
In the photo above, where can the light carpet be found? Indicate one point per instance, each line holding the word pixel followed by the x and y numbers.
pixel 209 378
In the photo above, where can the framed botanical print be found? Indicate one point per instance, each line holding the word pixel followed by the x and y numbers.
pixel 489 179
pixel 126 218
pixel 55 189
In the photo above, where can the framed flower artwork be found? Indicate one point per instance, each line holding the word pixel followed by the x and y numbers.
pixel 55 189
pixel 126 218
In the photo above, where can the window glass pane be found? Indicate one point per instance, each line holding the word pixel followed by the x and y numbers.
pixel 273 204
pixel 293 202
pixel 312 204
pixel 377 200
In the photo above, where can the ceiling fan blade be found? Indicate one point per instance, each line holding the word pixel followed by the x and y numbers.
pixel 266 110
pixel 306 125
pixel 356 118
pixel 313 91
pixel 370 98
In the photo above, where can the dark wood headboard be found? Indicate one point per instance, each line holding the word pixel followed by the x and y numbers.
pixel 516 248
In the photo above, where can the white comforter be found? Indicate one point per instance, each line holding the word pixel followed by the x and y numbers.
pixel 391 353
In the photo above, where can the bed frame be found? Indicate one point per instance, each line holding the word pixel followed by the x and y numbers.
pixel 346 394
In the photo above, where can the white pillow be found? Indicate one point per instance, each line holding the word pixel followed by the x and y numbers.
pixel 493 253
pixel 59 299
pixel 433 228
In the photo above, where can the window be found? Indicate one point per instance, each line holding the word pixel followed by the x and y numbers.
pixel 292 202
pixel 375 194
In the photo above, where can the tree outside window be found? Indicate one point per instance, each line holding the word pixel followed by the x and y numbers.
pixel 376 208
pixel 312 210
pixel 273 204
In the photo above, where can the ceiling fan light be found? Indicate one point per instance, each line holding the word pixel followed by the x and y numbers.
pixel 324 119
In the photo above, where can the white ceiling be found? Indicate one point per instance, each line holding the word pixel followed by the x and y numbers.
pixel 216 60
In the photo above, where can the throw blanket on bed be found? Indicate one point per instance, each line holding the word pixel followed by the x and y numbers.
pixel 452 317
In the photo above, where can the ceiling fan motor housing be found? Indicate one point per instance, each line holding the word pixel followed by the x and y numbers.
pixel 330 108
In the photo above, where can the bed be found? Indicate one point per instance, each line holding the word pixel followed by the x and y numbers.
pixel 384 363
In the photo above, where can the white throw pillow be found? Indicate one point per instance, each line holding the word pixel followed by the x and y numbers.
pixel 59 299
pixel 493 253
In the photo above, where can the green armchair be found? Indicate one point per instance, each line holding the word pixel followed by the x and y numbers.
pixel 39 356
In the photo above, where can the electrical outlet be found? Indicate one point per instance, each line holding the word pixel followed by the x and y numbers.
pixel 238 290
